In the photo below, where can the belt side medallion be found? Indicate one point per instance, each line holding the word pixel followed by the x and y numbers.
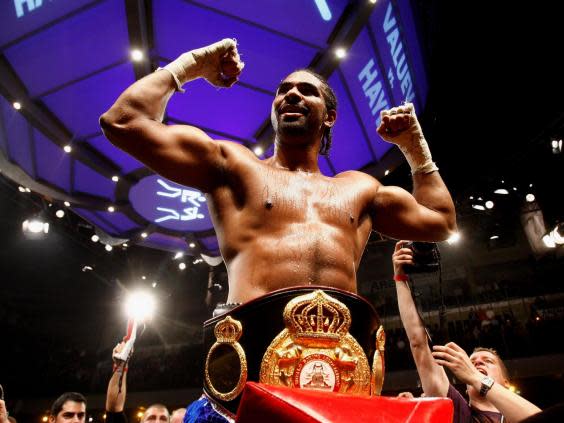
pixel 226 363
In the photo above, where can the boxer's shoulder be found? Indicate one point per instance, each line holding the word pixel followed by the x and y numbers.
pixel 358 177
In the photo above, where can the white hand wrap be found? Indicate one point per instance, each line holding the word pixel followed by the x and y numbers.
pixel 411 141
pixel 203 62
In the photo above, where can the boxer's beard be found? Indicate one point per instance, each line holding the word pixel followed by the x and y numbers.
pixel 293 127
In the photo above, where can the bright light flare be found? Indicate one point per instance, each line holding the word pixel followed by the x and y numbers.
pixel 136 55
pixel 35 226
pixel 140 306
pixel 340 53
pixel 454 238
pixel 548 241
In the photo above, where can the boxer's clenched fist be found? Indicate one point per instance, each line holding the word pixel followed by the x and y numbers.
pixel 400 126
pixel 398 123
pixel 219 63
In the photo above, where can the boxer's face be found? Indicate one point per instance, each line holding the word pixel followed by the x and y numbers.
pixel 72 412
pixel 299 109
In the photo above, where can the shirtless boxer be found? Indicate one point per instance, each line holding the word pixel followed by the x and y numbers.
pixel 279 221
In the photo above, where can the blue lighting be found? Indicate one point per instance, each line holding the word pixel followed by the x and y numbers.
pixel 323 9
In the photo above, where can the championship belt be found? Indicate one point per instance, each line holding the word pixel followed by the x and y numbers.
pixel 302 337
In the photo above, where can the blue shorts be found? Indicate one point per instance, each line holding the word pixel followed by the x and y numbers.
pixel 202 411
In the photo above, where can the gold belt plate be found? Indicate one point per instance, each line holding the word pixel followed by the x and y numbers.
pixel 316 350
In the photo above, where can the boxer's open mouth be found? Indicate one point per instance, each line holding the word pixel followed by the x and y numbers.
pixel 292 110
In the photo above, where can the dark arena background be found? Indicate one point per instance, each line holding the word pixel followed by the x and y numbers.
pixel 82 223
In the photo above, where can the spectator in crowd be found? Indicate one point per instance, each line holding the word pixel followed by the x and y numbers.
pixel 177 415
pixel 116 393
pixel 483 372
pixel 70 407
pixel 156 413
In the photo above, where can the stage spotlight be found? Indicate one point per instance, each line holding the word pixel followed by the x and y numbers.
pixel 478 207
pixel 144 235
pixel 115 178
pixel 340 53
pixel 60 213
pixel 182 266
pixel 95 238
pixel 489 204
pixel 154 284
pixel 136 55
pixel 67 148
pixel 67 204
pixel 108 247
pixel 387 172
pixel 140 306
pixel 454 238
pixel 178 255
pixel 17 105
pixel 494 237
pixel 35 226
pixel 192 245
pixel 502 191
pixel 258 150
pixel 111 209
pixel 530 198
pixel 21 189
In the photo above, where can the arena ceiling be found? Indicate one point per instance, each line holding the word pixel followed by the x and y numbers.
pixel 66 63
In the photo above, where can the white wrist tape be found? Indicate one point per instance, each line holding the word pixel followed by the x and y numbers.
pixel 412 143
pixel 203 62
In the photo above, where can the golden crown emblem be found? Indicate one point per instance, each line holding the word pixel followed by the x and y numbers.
pixel 316 350
pixel 228 330
pixel 317 315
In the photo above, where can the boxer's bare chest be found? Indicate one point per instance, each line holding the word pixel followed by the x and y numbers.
pixel 301 197
pixel 274 200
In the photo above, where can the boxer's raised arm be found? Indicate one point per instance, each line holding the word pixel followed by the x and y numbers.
pixel 182 153
pixel 428 214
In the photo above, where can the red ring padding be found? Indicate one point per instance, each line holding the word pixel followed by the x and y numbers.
pixel 276 404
